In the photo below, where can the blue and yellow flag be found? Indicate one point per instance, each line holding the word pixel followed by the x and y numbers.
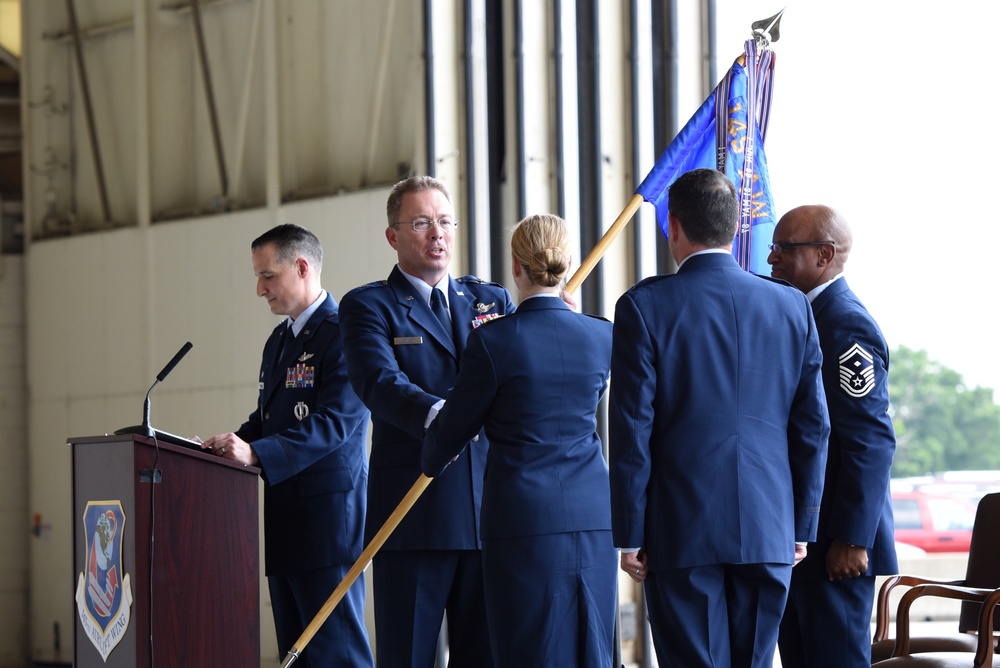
pixel 727 133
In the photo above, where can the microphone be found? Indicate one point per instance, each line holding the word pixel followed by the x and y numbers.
pixel 145 429
pixel 172 363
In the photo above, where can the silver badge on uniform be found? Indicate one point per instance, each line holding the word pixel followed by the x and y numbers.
pixel 301 411
pixel 483 308
pixel 857 372
pixel 407 340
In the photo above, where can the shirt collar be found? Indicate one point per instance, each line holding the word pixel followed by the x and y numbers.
pixel 541 294
pixel 299 323
pixel 818 290
pixel 706 251
pixel 420 285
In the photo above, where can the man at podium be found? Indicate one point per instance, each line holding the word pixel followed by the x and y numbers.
pixel 308 436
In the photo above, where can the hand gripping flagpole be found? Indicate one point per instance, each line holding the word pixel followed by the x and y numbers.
pixel 423 481
pixel 766 29
pixel 358 568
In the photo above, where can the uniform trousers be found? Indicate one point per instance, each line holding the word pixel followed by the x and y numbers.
pixel 413 591
pixel 342 640
pixel 717 616
pixel 828 624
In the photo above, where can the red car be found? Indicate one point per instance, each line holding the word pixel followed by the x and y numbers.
pixel 933 522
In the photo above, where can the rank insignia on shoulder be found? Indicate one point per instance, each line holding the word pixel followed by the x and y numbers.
pixel 483 308
pixel 857 371
pixel 482 319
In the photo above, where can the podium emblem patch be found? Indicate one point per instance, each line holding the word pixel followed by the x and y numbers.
pixel 103 592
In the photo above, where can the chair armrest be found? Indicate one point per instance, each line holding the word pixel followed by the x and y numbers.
pixel 882 602
pixel 941 590
pixel 984 652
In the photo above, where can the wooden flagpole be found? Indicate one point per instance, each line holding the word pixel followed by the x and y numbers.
pixel 767 30
pixel 358 568
pixel 423 481
pixel 602 246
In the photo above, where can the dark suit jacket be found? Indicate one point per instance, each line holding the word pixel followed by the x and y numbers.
pixel 401 361
pixel 856 505
pixel 314 467
pixel 534 379
pixel 718 421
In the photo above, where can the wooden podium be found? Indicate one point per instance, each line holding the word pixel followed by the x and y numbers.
pixel 174 530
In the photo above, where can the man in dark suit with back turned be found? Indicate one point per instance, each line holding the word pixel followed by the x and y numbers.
pixel 827 621
pixel 402 357
pixel 308 436
pixel 718 436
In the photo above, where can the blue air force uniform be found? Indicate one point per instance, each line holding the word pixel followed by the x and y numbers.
pixel 310 432
pixel 401 361
pixel 828 623
pixel 534 379
pixel 718 429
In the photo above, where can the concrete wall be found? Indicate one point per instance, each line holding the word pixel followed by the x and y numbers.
pixel 312 98
pixel 19 535
pixel 109 310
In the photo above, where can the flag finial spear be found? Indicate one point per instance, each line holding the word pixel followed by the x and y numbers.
pixel 765 31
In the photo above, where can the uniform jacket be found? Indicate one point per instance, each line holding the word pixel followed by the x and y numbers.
pixel 856 504
pixel 401 361
pixel 718 422
pixel 309 432
pixel 534 379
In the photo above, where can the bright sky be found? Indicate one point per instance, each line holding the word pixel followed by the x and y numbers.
pixel 886 111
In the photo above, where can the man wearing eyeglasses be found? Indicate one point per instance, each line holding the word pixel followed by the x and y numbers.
pixel 403 339
pixel 827 620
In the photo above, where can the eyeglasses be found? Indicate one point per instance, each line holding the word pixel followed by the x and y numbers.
pixel 446 224
pixel 780 246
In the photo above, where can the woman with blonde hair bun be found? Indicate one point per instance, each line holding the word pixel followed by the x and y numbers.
pixel 533 380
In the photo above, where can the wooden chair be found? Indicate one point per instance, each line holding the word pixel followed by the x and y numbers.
pixel 982 575
pixel 983 656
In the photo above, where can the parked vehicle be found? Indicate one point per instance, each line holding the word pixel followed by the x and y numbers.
pixel 933 522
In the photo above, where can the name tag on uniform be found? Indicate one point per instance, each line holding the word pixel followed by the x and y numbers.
pixel 407 340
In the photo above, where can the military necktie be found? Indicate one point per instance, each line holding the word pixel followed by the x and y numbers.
pixel 440 309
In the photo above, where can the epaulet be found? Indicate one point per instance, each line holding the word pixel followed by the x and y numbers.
pixel 373 284
pixel 652 279
pixel 476 280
